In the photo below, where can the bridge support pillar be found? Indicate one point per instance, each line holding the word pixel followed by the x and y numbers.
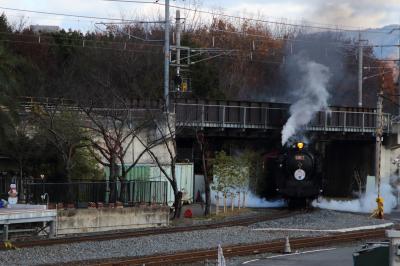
pixel 390 157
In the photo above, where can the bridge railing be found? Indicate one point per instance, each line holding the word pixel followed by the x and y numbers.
pixel 348 121
pixel 227 116
pixel 257 117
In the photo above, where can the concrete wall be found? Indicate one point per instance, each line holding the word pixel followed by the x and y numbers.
pixel 390 157
pixel 136 148
pixel 105 219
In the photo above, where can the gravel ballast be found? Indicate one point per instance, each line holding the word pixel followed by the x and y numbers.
pixel 168 243
pixel 322 220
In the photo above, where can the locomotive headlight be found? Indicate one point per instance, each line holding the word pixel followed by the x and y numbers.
pixel 299 174
pixel 300 145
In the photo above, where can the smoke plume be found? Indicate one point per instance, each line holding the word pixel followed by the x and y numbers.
pixel 312 96
pixel 252 201
pixel 366 203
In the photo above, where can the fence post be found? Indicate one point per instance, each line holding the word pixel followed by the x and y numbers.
pixel 133 191
pixel 344 120
pixel 388 123
pixel 326 120
pixel 202 115
pixel 223 116
pixel 77 194
pixel 244 117
pixel 116 192
pixel 363 119
pixel 151 183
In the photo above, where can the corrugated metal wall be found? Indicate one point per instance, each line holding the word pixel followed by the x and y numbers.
pixel 148 172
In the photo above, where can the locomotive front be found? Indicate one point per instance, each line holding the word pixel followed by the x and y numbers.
pixel 299 178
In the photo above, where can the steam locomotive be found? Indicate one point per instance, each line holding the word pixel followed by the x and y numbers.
pixel 299 175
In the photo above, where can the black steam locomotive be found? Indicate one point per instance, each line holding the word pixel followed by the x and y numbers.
pixel 299 176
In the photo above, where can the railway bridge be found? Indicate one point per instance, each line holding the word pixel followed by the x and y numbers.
pixel 245 115
pixel 272 116
pixel 345 136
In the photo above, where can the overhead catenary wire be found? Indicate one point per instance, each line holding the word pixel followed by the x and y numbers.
pixel 64 14
pixel 333 28
pixel 156 2
pixel 74 39
pixel 89 43
pixel 182 8
pixel 391 100
pixel 127 49
pixel 127 21
pixel 122 49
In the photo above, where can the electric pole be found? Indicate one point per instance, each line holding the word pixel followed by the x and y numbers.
pixel 178 42
pixel 378 147
pixel 398 71
pixel 166 56
pixel 360 69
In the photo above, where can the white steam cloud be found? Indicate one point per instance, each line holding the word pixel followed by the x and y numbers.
pixel 312 96
pixel 366 203
pixel 252 200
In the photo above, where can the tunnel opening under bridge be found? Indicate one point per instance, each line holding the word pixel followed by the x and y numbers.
pixel 343 160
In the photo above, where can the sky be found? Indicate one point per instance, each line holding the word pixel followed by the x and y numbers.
pixel 350 14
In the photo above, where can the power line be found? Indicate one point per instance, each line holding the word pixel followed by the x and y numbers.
pixel 64 15
pixel 72 39
pixel 139 2
pixel 187 9
pixel 134 21
pixel 390 100
pixel 282 38
pixel 127 49
pixel 336 28
pixel 174 6
pixel 122 49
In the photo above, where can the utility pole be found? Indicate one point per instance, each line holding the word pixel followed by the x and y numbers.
pixel 378 147
pixel 398 71
pixel 360 69
pixel 178 42
pixel 166 56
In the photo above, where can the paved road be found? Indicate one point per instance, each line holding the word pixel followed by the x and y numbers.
pixel 342 256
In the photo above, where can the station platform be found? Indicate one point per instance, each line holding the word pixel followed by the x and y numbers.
pixel 24 213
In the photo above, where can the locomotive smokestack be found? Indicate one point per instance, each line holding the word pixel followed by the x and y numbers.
pixel 312 96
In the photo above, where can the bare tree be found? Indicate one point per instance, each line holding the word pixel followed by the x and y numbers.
pixel 201 140
pixel 164 136
pixel 61 127
pixel 113 125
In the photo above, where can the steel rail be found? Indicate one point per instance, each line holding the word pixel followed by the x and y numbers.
pixel 147 232
pixel 239 250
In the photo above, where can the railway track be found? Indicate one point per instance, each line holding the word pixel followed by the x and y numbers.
pixel 147 232
pixel 238 250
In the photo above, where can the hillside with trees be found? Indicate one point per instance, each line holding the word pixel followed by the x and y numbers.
pixel 127 61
